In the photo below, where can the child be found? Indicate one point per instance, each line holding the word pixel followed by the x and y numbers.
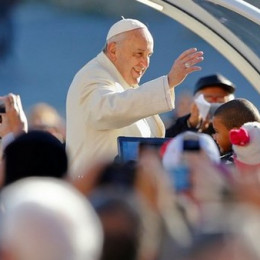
pixel 232 114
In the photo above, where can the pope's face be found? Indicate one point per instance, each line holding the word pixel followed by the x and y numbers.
pixel 132 55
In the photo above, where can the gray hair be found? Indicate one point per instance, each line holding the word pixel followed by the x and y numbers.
pixel 116 38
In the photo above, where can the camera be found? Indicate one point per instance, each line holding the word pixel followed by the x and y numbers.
pixel 2 106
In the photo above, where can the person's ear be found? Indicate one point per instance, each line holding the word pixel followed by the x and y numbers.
pixel 111 50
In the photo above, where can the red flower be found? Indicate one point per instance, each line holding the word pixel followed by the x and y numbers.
pixel 239 136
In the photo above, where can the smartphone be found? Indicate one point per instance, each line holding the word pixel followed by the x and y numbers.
pixel 191 143
pixel 2 106
pixel 180 177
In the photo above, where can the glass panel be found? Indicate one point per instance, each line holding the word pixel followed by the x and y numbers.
pixel 246 30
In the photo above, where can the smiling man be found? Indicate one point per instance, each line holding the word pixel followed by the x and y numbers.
pixel 105 101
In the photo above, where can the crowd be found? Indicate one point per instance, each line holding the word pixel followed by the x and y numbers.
pixel 65 195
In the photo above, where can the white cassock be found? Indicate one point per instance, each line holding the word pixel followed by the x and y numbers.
pixel 101 106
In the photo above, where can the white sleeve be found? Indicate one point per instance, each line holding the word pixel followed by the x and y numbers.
pixel 109 109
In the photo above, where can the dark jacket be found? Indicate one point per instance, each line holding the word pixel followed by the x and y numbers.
pixel 228 158
pixel 182 126
pixel 179 127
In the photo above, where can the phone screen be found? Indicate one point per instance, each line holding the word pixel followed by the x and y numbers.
pixel 191 145
pixel 180 176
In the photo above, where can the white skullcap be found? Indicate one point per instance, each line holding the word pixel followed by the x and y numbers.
pixel 124 25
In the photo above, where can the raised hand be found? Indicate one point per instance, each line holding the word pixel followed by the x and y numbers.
pixel 184 65
pixel 14 119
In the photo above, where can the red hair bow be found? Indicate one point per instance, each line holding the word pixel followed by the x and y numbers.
pixel 239 136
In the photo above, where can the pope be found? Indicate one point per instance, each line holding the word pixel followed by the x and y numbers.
pixel 105 99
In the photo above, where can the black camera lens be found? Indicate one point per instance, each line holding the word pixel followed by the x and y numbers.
pixel 2 108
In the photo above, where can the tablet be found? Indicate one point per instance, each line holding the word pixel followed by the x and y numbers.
pixel 128 147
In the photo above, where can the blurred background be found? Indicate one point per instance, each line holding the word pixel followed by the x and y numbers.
pixel 44 43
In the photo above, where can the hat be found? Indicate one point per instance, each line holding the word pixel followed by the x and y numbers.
pixel 124 25
pixel 246 143
pixel 173 151
pixel 215 80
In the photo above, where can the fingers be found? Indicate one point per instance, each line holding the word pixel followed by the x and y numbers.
pixel 19 102
pixel 12 102
pixel 195 118
pixel 9 102
pixel 14 119
pixel 187 53
pixel 191 60
pixel 3 117
pixel 194 109
pixel 4 125
pixel 191 57
pixel 184 65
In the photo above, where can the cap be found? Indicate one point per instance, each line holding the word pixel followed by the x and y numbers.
pixel 246 143
pixel 124 25
pixel 215 80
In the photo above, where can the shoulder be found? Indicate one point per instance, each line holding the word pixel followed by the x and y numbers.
pixel 92 72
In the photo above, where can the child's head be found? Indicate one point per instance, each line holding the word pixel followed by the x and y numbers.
pixel 232 114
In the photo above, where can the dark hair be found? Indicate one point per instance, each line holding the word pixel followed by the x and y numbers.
pixel 118 174
pixel 36 153
pixel 236 112
pixel 121 221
